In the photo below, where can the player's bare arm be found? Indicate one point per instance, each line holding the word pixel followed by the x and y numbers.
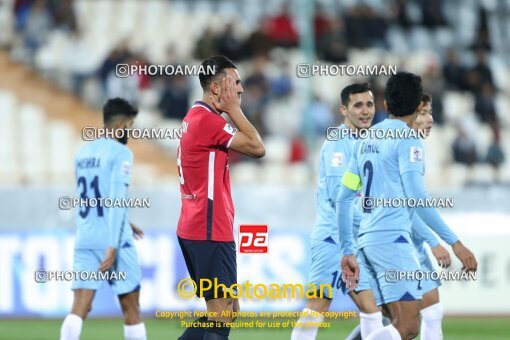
pixel 465 256
pixel 228 99
pixel 137 232
pixel 350 271
pixel 442 256
pixel 109 259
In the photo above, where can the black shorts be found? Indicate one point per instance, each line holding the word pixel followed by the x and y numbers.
pixel 210 260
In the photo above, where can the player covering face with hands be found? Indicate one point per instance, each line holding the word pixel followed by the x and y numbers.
pixel 205 229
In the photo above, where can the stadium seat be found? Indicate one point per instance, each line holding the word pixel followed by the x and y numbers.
pixel 170 144
pixel 245 173
pixel 483 173
pixel 61 154
pixel 456 105
pixel 299 174
pixel 458 175
pixel 274 173
pixel 277 150
pixel 33 154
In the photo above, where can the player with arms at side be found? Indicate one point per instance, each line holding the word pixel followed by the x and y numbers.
pixel 205 229
pixel 358 110
pixel 391 168
pixel 432 311
pixel 104 237
pixel 431 308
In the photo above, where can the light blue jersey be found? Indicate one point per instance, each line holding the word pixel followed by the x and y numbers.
pixel 380 164
pixel 333 161
pixel 103 169
pixel 325 245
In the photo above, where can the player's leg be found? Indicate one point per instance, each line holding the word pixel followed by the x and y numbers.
pixel 367 300
pixel 371 318
pixel 196 332
pixel 222 266
pixel 209 260
pixel 128 291
pixel 325 269
pixel 307 325
pixel 431 316
pixel 134 328
pixel 431 308
pixel 406 322
pixel 82 303
pixel 84 292
pixel 403 298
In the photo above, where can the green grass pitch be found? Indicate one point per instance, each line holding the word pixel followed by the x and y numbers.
pixel 98 329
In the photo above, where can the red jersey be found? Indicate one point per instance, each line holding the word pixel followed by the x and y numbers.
pixel 207 211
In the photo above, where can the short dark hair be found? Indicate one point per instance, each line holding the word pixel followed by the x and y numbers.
pixel 219 63
pixel 403 94
pixel 345 96
pixel 426 98
pixel 118 107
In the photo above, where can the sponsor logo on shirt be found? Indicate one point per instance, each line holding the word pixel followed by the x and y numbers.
pixel 229 129
pixel 125 168
pixel 337 159
pixel 416 154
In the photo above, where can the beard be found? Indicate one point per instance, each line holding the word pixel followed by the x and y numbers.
pixel 124 138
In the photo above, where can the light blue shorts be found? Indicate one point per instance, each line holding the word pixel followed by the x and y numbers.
pixel 385 262
pixel 126 269
pixel 325 269
pixel 426 266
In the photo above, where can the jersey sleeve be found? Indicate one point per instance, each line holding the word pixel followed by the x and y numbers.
pixel 424 232
pixel 351 178
pixel 414 186
pixel 410 155
pixel 120 178
pixel 121 167
pixel 334 162
pixel 218 132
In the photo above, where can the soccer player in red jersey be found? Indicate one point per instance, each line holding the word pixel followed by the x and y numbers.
pixel 205 230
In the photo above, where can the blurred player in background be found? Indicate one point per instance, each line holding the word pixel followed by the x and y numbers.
pixel 431 309
pixel 205 229
pixel 104 237
pixel 391 168
pixel 358 110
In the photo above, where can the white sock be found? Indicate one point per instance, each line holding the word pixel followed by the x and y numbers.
pixel 135 332
pixel 386 333
pixel 370 323
pixel 431 318
pixel 71 327
pixel 307 325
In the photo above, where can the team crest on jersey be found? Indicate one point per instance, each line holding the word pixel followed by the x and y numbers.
pixel 125 168
pixel 337 159
pixel 229 129
pixel 416 154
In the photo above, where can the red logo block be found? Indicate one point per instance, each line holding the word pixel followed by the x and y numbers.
pixel 253 238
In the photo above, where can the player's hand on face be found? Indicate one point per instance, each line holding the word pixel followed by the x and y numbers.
pixel 350 271
pixel 227 99
pixel 442 256
pixel 465 256
pixel 137 232
pixel 109 260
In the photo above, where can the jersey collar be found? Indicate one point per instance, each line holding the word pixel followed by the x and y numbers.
pixel 204 105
